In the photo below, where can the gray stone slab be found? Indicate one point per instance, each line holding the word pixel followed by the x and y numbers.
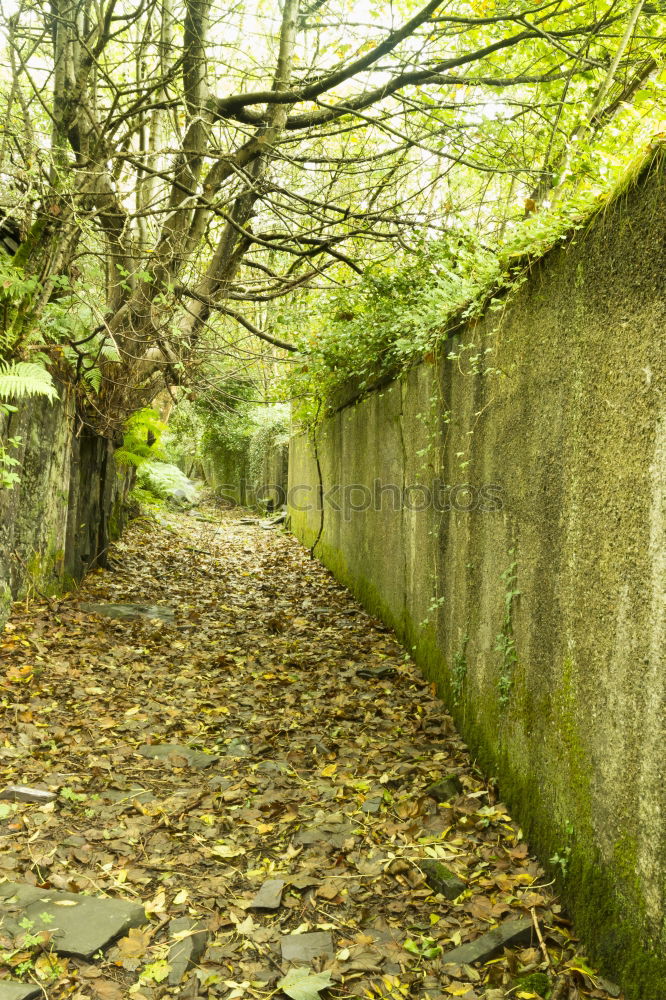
pixel 440 879
pixel 81 925
pixel 377 673
pixel 10 990
pixel 305 947
pixel 185 952
pixel 507 935
pixel 21 793
pixel 373 805
pixel 130 611
pixel 196 759
pixel 269 896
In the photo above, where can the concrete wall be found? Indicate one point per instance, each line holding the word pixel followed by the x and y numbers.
pixel 56 523
pixel 538 599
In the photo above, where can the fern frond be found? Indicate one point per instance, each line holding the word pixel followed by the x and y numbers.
pixel 93 377
pixel 124 457
pixel 22 378
pixel 110 352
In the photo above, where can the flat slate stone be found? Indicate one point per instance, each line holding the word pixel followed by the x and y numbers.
pixel 185 952
pixel 372 805
pixel 196 759
pixel 269 896
pixel 21 793
pixel 305 947
pixel 81 925
pixel 130 611
pixel 10 990
pixel 440 879
pixel 377 673
pixel 507 935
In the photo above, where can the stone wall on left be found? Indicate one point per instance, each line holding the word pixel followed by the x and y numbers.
pixel 57 521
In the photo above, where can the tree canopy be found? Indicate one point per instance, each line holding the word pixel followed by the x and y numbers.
pixel 177 170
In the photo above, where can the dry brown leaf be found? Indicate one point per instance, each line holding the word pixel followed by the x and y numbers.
pixel 134 945
pixel 107 989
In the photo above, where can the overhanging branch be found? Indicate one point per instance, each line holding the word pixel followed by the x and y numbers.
pixel 225 310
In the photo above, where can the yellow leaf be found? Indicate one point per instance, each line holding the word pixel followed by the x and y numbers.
pixel 329 771
pixel 48 966
pixel 227 850
pixel 156 905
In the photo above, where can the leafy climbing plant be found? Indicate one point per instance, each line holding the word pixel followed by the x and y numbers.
pixel 505 643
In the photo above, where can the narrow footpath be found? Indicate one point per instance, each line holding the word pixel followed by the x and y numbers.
pixel 236 747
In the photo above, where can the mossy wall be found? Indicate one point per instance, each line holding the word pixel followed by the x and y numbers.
pixel 533 589
pixel 251 473
pixel 56 522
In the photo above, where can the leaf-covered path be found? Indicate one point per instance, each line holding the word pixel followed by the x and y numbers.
pixel 328 742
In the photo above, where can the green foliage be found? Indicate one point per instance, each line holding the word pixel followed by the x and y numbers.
pixel 33 947
pixel 393 315
pixel 182 440
pixel 423 190
pixel 22 378
pixel 536 982
pixel 17 293
pixel 163 480
pixel 226 425
pixel 8 462
pixel 148 502
pixel 303 984
pixel 406 309
pixel 268 428
pixel 66 320
pixel 425 947
pixel 19 379
pixel 141 442
pixel 85 360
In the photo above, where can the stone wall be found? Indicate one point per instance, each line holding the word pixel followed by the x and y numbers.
pixel 532 584
pixel 56 522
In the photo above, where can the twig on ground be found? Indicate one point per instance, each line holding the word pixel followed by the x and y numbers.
pixel 542 943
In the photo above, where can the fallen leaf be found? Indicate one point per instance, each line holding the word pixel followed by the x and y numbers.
pixel 302 984
pixel 106 989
